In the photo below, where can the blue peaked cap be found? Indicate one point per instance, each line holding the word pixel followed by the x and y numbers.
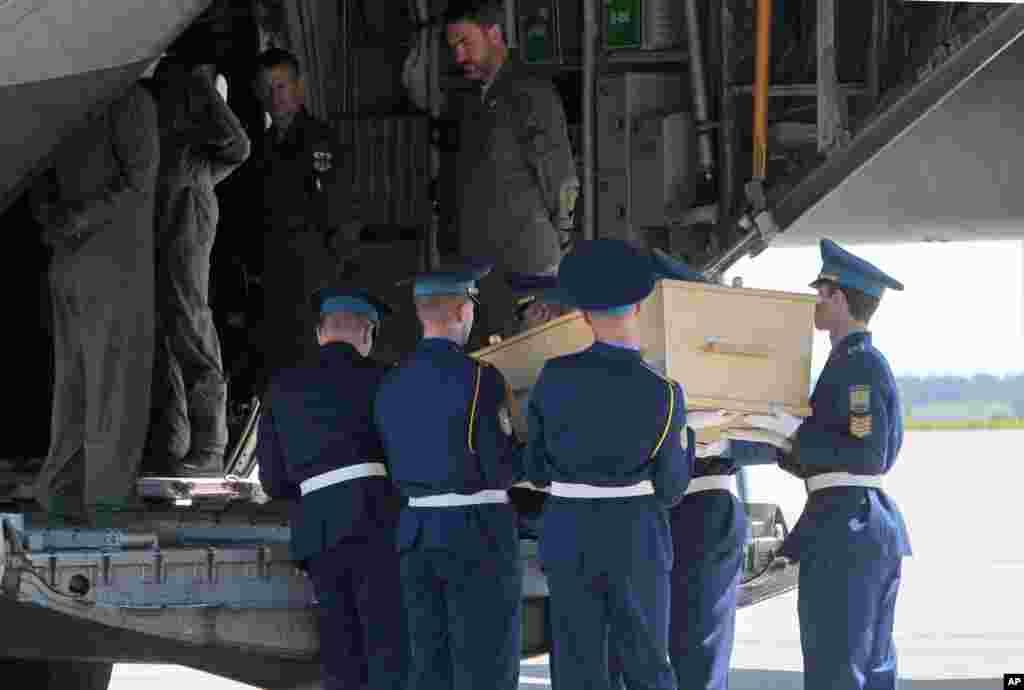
pixel 527 284
pixel 329 300
pixel 528 287
pixel 454 280
pixel 606 275
pixel 843 268
pixel 668 266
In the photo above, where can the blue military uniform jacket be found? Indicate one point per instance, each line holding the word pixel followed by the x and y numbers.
pixel 857 427
pixel 319 418
pixel 717 518
pixel 596 417
pixel 437 441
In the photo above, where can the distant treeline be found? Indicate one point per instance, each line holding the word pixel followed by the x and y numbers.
pixel 978 397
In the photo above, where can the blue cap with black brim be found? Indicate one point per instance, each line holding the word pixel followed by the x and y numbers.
pixel 669 267
pixel 843 268
pixel 607 276
pixel 455 280
pixel 329 300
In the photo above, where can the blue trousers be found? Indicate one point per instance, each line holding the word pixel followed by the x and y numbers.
pixel 590 608
pixel 847 608
pixel 364 641
pixel 709 530
pixel 464 619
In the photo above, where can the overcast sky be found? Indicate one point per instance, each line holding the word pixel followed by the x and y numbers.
pixel 961 311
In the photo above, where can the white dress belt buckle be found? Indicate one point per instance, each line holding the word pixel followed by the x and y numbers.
pixel 343 474
pixel 566 490
pixel 714 482
pixel 459 500
pixel 831 479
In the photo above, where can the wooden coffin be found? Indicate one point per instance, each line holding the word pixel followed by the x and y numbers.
pixel 738 349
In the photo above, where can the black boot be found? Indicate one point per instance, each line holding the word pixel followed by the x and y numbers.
pixel 200 465
pixel 207 411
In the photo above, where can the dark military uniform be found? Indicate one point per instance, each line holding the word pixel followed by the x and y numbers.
pixel 709 530
pixel 851 537
pixel 447 433
pixel 318 446
pixel 516 184
pixel 202 142
pixel 102 283
pixel 528 290
pixel 299 215
pixel 613 471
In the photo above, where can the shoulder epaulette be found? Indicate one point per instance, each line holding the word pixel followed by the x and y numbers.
pixel 657 373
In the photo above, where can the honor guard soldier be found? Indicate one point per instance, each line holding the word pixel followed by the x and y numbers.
pixel 709 530
pixel 612 470
pixel 851 538
pixel 446 423
pixel 538 300
pixel 319 447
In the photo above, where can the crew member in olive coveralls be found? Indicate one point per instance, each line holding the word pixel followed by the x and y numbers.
pixel 201 143
pixel 850 539
pixel 318 447
pixel 96 209
pixel 516 179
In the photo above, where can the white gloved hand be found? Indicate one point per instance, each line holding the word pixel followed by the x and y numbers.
pixel 780 421
pixel 702 419
pixel 712 450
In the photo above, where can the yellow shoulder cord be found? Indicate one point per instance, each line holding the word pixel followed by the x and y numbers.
pixel 472 408
pixel 668 421
pixel 513 404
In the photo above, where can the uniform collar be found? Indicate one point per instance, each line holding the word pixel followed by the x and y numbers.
pixel 298 123
pixel 505 75
pixel 339 351
pixel 853 342
pixel 620 345
pixel 488 84
pixel 615 350
pixel 855 338
pixel 438 345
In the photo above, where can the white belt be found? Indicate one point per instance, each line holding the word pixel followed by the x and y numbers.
pixel 830 479
pixel 343 474
pixel 457 500
pixel 714 482
pixel 644 488
pixel 531 486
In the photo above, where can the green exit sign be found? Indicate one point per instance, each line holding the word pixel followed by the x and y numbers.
pixel 623 22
